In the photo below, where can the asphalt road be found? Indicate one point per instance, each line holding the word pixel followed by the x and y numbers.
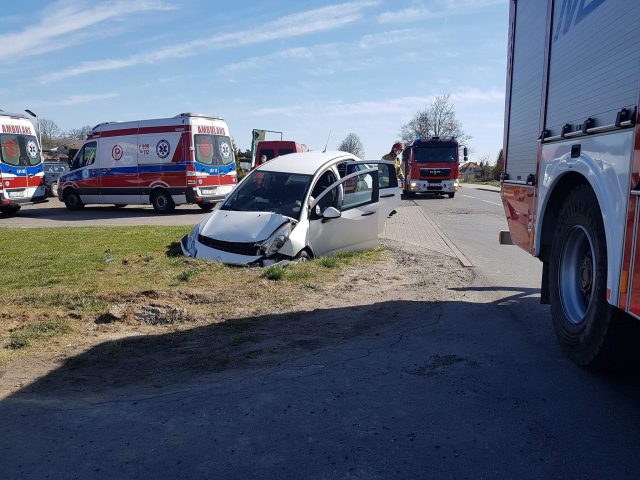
pixel 475 387
pixel 55 214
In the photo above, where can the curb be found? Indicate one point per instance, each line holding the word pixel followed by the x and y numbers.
pixel 463 260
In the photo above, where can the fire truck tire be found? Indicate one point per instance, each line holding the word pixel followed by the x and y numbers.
pixel 451 195
pixel 162 201
pixel 72 200
pixel 588 328
pixel 207 207
pixel 9 210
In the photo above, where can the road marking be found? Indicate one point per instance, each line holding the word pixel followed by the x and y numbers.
pixel 492 203
pixel 468 196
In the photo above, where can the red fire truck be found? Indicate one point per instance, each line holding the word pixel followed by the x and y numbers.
pixel 572 165
pixel 431 166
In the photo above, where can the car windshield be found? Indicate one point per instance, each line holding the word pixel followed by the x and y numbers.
pixel 436 154
pixel 19 150
pixel 276 192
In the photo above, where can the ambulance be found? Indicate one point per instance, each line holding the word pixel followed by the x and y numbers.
pixel 186 159
pixel 571 181
pixel 21 172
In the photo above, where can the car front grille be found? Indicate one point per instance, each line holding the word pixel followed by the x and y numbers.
pixel 248 249
pixel 435 172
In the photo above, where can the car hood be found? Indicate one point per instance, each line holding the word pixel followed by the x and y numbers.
pixel 242 227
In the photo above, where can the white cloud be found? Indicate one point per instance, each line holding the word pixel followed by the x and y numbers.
pixel 311 21
pixel 64 18
pixel 437 9
pixel 398 105
pixel 76 100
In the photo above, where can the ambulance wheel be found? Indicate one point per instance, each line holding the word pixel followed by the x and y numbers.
pixel 590 331
pixel 206 207
pixel 162 202
pixel 9 210
pixel 451 195
pixel 72 200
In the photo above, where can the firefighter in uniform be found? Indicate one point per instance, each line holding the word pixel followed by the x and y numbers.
pixel 394 156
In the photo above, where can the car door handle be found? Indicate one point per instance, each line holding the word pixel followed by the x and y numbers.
pixel 388 195
pixel 366 214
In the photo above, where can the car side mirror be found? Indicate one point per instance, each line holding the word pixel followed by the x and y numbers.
pixel 331 213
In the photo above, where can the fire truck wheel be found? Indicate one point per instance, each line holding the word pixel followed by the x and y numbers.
pixel 586 325
pixel 9 210
pixel 207 207
pixel 451 195
pixel 72 200
pixel 162 201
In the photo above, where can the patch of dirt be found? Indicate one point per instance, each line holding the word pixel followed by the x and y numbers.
pixel 157 340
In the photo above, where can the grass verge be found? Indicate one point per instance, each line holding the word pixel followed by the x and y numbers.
pixel 59 274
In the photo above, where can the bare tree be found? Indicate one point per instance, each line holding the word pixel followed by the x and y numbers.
pixel 352 144
pixel 79 133
pixel 49 131
pixel 438 119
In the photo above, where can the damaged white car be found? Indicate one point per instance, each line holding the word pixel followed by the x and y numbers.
pixel 297 207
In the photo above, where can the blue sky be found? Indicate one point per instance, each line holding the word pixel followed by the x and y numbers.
pixel 304 68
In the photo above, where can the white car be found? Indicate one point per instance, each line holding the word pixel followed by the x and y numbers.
pixel 296 207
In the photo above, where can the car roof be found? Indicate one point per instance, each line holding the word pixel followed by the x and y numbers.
pixel 305 162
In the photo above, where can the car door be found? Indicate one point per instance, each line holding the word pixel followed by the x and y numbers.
pixel 87 175
pixel 355 198
pixel 390 193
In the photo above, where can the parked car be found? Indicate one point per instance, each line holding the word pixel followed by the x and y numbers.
pixel 296 207
pixel 52 171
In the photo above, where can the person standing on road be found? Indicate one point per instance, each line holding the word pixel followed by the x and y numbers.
pixel 394 156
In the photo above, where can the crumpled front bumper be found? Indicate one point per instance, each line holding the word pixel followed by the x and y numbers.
pixel 228 258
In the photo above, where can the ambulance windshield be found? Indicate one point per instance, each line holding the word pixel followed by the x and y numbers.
pixel 19 150
pixel 213 149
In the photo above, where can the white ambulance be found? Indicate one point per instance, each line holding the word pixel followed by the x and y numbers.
pixel 21 173
pixel 165 162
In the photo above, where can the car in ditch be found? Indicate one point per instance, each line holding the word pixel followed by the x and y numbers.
pixel 297 207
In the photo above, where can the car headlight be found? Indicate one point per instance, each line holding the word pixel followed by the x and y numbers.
pixel 276 241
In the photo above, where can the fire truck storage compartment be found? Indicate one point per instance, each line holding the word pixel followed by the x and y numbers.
pixel 526 89
pixel 594 65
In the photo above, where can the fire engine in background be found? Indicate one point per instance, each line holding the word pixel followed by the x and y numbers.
pixel 21 173
pixel 165 162
pixel 572 166
pixel 431 166
pixel 276 148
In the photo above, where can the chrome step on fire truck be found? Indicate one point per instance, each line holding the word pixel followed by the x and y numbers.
pixel 572 171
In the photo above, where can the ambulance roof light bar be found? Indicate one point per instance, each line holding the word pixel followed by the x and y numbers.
pixel 201 115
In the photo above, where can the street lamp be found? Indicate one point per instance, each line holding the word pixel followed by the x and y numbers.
pixel 38 123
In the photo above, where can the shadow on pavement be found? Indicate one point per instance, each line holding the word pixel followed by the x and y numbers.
pixel 391 390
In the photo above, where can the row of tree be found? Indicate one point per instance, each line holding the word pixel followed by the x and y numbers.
pixel 437 119
pixel 52 135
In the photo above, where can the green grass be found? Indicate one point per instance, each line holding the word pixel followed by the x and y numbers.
pixel 36 332
pixel 187 275
pixel 86 257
